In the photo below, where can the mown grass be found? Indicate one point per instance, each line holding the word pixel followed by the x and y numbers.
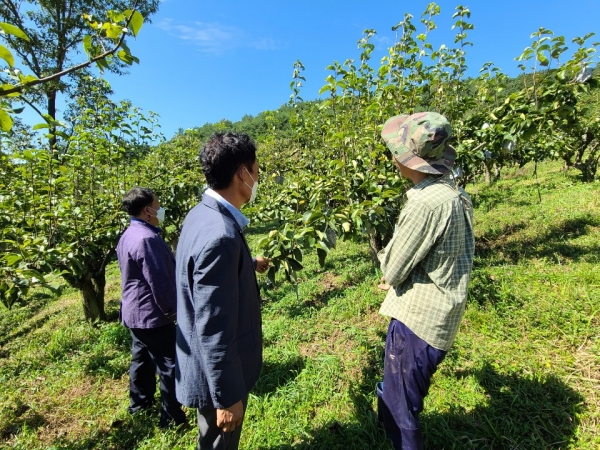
pixel 524 372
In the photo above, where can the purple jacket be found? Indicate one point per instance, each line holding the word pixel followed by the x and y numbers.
pixel 149 299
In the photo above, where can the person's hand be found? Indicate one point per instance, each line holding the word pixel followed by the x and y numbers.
pixel 262 264
pixel 383 285
pixel 230 418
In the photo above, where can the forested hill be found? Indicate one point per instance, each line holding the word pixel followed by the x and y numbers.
pixel 278 120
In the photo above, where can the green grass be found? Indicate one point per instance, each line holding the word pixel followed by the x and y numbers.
pixel 524 372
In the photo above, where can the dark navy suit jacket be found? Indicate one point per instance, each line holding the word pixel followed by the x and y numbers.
pixel 219 336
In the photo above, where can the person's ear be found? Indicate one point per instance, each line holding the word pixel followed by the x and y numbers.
pixel 240 173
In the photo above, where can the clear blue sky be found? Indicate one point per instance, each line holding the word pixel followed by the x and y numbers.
pixel 201 61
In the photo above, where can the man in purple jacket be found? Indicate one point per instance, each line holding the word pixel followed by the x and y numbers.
pixel 149 306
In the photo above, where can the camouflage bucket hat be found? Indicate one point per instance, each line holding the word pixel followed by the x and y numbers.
pixel 420 142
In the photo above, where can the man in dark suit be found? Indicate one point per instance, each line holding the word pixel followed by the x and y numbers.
pixel 219 338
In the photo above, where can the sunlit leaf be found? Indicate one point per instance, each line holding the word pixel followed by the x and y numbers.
pixel 137 20
pixel 7 56
pixel 5 121
pixel 13 30
pixel 87 45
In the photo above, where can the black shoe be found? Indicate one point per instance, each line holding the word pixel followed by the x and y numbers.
pixel 149 407
pixel 170 423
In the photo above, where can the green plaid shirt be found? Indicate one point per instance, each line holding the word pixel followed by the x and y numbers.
pixel 429 259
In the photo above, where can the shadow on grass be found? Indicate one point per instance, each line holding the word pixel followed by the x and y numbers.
pixel 261 227
pixel 35 303
pixel 111 355
pixel 122 435
pixel 494 195
pixel 314 302
pixel 553 243
pixel 484 289
pixel 112 309
pixel 23 417
pixel 521 412
pixel 363 432
pixel 277 374
pixel 353 270
pixel 488 199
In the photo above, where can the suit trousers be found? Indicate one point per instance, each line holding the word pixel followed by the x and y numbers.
pixel 409 364
pixel 211 437
pixel 153 351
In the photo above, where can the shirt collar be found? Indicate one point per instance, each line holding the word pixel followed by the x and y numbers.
pixel 143 222
pixel 431 179
pixel 240 218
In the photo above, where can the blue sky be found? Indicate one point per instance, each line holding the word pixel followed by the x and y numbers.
pixel 201 61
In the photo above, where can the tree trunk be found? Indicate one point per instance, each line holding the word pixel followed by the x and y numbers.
pixel 92 291
pixel 377 242
pixel 52 113
pixel 487 173
pixel 497 170
pixel 374 247
pixel 589 166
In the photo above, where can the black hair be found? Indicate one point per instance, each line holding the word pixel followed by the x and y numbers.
pixel 136 200
pixel 223 154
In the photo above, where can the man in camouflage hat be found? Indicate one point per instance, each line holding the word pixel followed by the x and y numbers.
pixel 426 270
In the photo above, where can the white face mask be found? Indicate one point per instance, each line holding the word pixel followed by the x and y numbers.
pixel 160 213
pixel 253 188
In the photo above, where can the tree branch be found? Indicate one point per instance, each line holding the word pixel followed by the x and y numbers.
pixel 62 73
pixel 34 107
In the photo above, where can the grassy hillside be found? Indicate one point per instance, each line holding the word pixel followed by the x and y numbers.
pixel 524 372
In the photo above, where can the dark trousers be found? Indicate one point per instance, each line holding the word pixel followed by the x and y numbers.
pixel 153 351
pixel 407 370
pixel 211 437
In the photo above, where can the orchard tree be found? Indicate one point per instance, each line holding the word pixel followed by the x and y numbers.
pixel 549 117
pixel 48 36
pixel 340 181
pixel 63 214
pixel 335 177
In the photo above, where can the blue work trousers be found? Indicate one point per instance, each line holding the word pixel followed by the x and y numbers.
pixel 407 370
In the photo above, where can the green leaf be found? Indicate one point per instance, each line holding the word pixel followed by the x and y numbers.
pixel 322 245
pixel 297 254
pixel 115 16
pixel 137 20
pixel 87 45
pixel 26 78
pixel 15 31
pixel 295 265
pixel 125 57
pixel 39 126
pixel 102 64
pixel 5 121
pixel 322 255
pixel 12 259
pixel 6 87
pixel 7 56
pixel 32 273
pixel 113 31
pixel 126 48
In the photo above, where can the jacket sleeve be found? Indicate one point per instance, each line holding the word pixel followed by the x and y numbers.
pixel 413 238
pixel 158 270
pixel 216 299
